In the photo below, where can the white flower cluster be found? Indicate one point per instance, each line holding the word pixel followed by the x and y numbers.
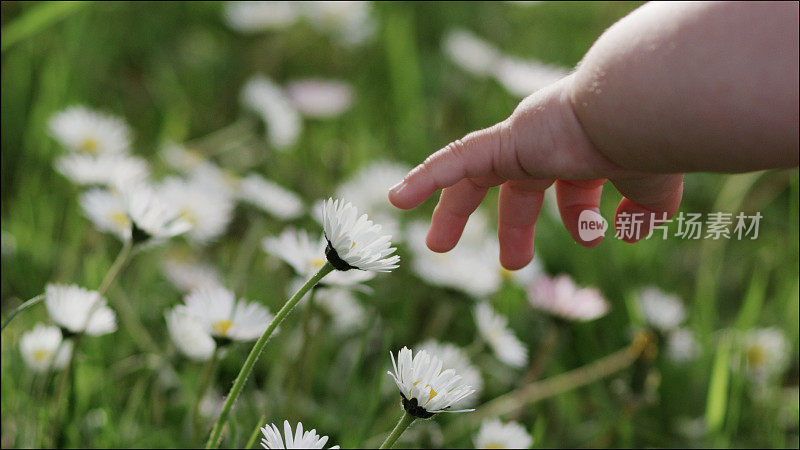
pixel 210 317
pixel 73 310
pixel 282 109
pixel 665 313
pixel 472 267
pixel 496 434
pixel 349 22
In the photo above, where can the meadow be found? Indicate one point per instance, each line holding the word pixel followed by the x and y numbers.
pixel 189 80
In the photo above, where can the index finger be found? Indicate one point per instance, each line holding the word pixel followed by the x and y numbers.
pixel 469 157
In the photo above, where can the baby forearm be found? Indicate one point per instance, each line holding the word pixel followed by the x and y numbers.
pixel 694 87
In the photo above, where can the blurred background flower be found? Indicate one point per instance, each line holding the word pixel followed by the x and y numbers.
pixel 215 128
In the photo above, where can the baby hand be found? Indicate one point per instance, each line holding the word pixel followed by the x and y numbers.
pixel 540 144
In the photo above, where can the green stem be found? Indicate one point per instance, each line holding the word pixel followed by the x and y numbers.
pixel 21 308
pixel 233 395
pixel 401 426
pixel 201 389
pixel 538 390
pixel 112 273
pixel 254 435
pixel 116 266
pixel 214 140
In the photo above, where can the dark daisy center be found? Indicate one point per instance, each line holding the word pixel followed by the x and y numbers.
pixel 138 235
pixel 222 342
pixel 333 258
pixel 67 333
pixel 412 407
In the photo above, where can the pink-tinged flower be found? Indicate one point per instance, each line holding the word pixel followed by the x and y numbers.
pixel 561 297
pixel 320 98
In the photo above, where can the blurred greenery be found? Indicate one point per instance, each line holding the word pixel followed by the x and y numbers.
pixel 173 70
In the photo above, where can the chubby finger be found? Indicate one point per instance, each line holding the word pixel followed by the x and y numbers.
pixel 469 157
pixel 575 197
pixel 455 205
pixel 518 209
pixel 648 200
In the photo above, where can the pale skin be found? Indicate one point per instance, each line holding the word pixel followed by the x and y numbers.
pixel 671 88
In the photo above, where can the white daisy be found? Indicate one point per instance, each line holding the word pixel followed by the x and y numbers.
pixel 186 274
pixel 354 242
pixel 524 77
pixel 316 97
pixel 368 189
pixel 80 129
pixel 350 22
pixel 270 197
pixel 213 177
pixel 682 346
pixel 494 329
pixel 765 352
pixel 454 357
pixel 209 211
pixel 106 169
pixel 560 297
pixel 283 122
pixel 135 213
pixel 306 258
pixel 471 267
pixel 223 317
pixel 470 52
pixel 345 310
pixel 189 335
pixel 39 345
pixel 426 388
pixel 299 439
pixel 153 219
pixel 663 311
pixel 211 405
pixel 466 268
pixel 69 307
pixel 107 212
pixel 496 434
pixel 256 16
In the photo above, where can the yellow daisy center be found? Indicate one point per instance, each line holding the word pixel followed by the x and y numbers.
pixel 756 356
pixel 188 216
pixel 317 263
pixel 89 145
pixel 494 445
pixel 433 393
pixel 41 355
pixel 120 219
pixel 506 274
pixel 221 327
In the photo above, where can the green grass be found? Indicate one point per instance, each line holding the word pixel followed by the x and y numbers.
pixel 174 71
